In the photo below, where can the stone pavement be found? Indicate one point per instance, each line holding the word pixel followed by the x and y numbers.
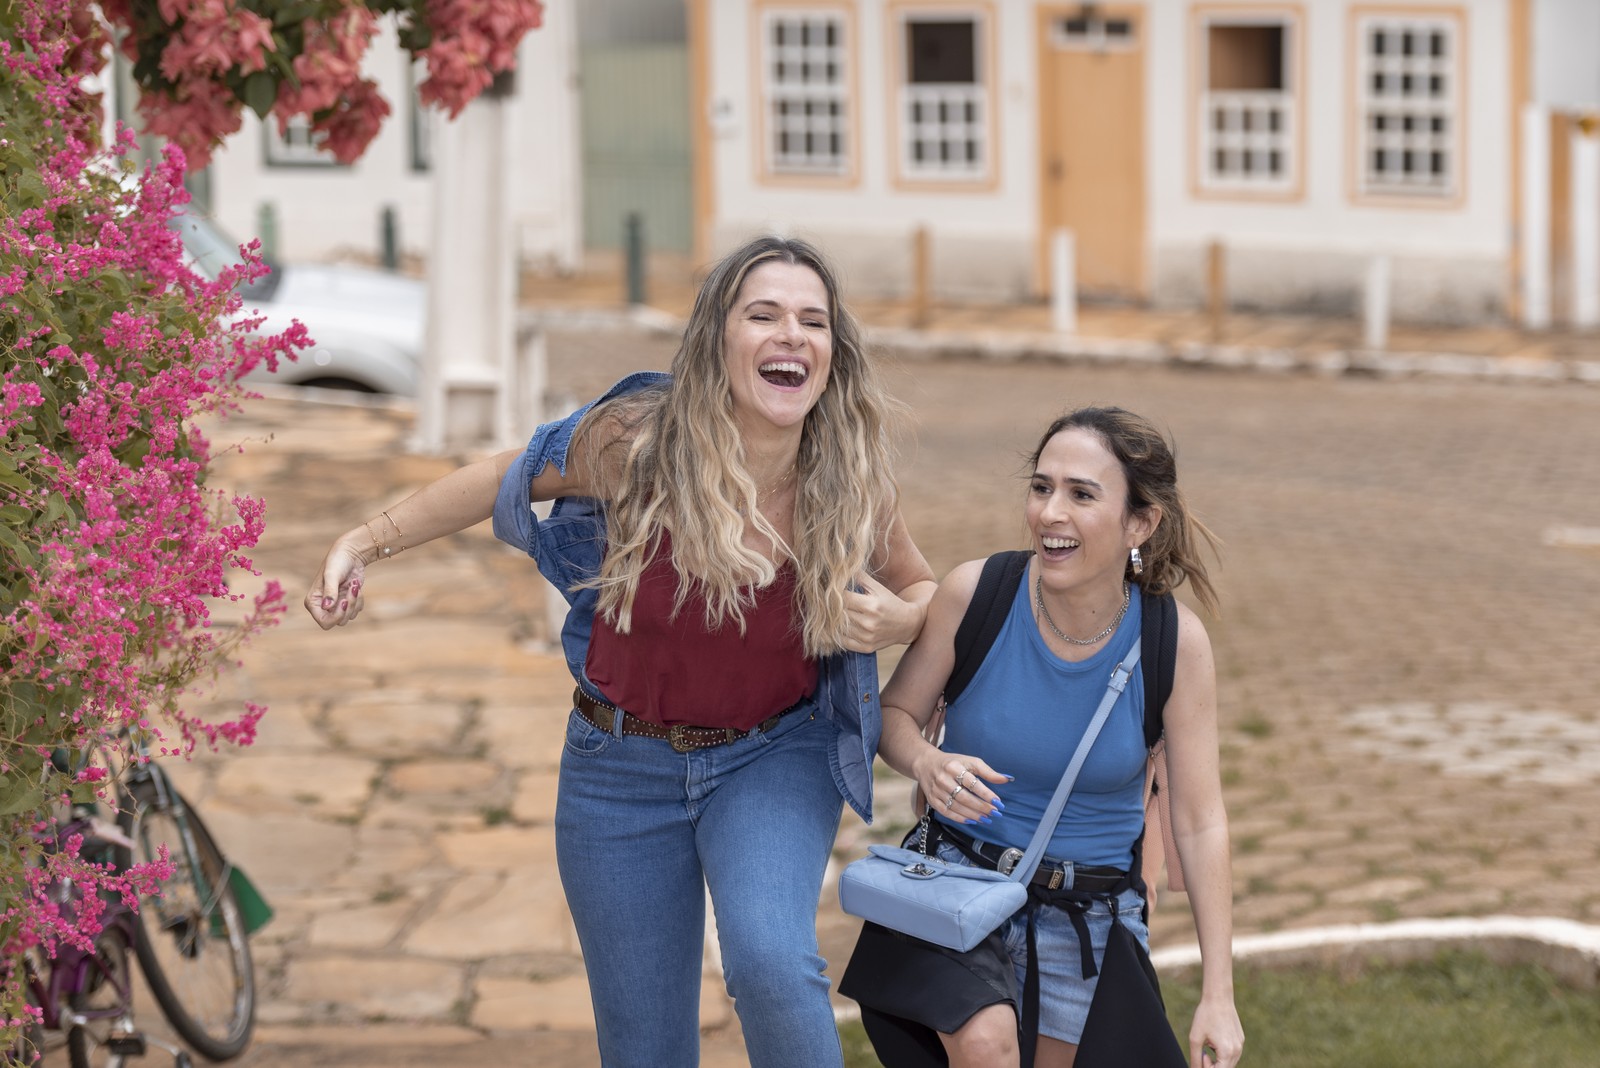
pixel 1405 657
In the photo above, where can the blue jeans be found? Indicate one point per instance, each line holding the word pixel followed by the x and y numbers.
pixel 642 831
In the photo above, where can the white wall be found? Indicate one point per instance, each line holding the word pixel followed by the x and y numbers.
pixel 326 212
pixel 1311 253
pixel 983 241
pixel 323 212
pixel 1308 254
pixel 1566 54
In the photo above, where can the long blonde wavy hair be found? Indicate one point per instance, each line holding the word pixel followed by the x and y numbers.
pixel 675 463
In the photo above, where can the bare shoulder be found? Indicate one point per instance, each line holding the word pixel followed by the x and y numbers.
pixel 953 596
pixel 1196 664
pixel 1192 633
pixel 962 582
pixel 599 450
pixel 610 423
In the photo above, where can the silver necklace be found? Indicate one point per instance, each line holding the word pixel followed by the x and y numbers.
pixel 1038 599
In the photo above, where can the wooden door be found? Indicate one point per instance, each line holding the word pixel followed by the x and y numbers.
pixel 635 127
pixel 1091 143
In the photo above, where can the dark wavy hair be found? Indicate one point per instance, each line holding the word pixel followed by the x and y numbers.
pixel 1172 552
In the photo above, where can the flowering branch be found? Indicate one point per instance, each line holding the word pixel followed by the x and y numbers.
pixel 112 549
pixel 199 63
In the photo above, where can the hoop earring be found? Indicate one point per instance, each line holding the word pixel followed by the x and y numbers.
pixel 1135 561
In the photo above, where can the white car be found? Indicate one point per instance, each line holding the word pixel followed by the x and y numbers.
pixel 367 326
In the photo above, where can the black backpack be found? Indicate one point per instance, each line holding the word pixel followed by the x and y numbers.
pixel 1157 663
pixel 992 600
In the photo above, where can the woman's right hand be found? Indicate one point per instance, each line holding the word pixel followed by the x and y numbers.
pixel 954 784
pixel 335 597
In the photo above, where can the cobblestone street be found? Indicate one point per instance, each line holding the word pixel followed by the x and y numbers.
pixel 1405 656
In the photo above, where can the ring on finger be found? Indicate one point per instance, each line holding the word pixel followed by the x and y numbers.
pixel 953 794
pixel 963 775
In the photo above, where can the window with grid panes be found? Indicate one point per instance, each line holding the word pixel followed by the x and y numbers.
pixel 297 146
pixel 944 106
pixel 1408 120
pixel 1089 31
pixel 1247 108
pixel 805 76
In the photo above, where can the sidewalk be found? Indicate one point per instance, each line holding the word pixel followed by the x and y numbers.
pixel 1150 336
pixel 396 809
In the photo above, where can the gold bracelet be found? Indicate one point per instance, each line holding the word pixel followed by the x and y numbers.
pixel 378 547
pixel 398 533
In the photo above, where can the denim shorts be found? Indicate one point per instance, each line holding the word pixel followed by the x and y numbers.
pixel 1064 993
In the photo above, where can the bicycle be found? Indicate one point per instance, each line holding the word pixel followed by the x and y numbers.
pixel 86 993
pixel 191 937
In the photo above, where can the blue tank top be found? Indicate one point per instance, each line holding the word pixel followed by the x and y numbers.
pixel 1025 712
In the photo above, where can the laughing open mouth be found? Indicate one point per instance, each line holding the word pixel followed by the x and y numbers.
pixel 1056 546
pixel 788 373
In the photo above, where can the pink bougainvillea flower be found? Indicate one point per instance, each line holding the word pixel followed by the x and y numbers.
pixel 472 40
pixel 214 40
pixel 353 122
pixel 196 117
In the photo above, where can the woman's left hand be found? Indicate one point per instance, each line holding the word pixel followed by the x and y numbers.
pixel 1216 1039
pixel 878 617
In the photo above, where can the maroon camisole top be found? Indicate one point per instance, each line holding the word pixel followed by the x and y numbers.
pixel 671 670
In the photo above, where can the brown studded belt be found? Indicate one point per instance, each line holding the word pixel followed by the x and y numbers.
pixel 683 738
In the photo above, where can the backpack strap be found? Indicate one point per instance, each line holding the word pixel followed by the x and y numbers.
pixel 1159 636
pixel 985 615
pixel 1159 639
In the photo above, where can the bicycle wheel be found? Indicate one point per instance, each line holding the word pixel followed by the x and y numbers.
pixel 105 1002
pixel 192 944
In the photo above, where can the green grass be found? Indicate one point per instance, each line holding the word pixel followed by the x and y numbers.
pixel 1457 1009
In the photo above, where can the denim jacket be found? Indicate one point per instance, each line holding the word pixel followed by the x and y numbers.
pixel 569 546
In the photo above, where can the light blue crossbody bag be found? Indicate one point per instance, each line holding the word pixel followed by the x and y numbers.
pixel 955 905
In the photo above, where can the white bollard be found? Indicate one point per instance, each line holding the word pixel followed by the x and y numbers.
pixel 1585 226
pixel 1535 217
pixel 1377 302
pixel 1063 283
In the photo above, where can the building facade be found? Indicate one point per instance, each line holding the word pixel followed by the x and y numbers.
pixel 1292 143
pixel 1304 137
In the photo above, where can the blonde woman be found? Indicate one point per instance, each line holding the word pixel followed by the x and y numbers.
pixel 730 543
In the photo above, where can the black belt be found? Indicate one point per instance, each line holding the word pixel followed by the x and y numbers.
pixel 684 738
pixel 1051 874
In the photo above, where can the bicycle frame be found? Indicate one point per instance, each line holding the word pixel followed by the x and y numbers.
pixel 70 972
pixel 73 969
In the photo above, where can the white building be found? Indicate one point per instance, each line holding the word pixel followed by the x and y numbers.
pixel 1306 137
pixel 319 209
pixel 1303 139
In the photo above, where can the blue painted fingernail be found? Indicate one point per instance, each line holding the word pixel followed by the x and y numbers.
pixel 999 804
pixel 985 819
pixel 972 821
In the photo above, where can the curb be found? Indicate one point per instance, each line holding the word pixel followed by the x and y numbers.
pixel 1070 348
pixel 1364 363
pixel 1567 949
